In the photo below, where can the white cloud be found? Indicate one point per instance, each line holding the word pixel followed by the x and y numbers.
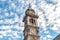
pixel 13 5
pixel 46 32
pixel 11 13
pixel 23 1
pixel 49 13
pixel 1 36
pixel 10 21
pixel 54 28
pixel 49 36
pixel 44 38
pixel 6 14
pixel 1 21
pixel 19 27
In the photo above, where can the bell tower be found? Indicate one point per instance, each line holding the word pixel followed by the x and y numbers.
pixel 30 23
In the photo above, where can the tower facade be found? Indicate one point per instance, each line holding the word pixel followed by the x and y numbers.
pixel 30 23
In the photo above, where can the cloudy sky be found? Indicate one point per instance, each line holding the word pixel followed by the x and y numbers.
pixel 13 11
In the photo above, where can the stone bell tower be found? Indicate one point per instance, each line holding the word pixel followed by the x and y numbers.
pixel 30 23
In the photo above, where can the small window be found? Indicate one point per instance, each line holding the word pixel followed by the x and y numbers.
pixel 28 30
pixel 37 31
pixel 32 21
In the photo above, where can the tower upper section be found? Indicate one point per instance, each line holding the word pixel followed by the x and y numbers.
pixel 30 12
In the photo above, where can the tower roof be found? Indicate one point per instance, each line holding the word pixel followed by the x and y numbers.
pixel 31 12
pixel 30 8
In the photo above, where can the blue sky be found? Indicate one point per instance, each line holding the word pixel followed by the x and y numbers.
pixel 13 11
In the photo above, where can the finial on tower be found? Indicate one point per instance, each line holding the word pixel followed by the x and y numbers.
pixel 29 6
